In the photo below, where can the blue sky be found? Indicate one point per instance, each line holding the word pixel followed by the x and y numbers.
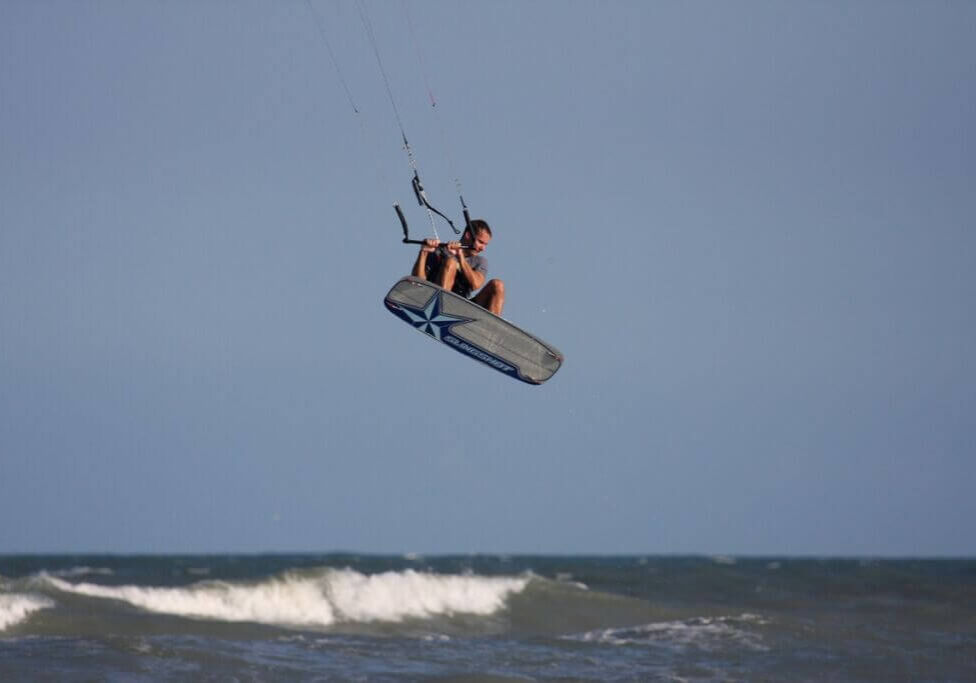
pixel 748 226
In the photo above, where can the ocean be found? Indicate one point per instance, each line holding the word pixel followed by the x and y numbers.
pixel 349 617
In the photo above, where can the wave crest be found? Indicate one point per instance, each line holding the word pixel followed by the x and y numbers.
pixel 319 599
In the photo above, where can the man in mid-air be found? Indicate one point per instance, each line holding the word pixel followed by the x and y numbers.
pixel 459 267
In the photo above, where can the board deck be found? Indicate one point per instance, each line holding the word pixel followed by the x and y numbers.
pixel 470 329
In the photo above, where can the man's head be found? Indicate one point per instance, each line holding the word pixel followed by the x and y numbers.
pixel 479 240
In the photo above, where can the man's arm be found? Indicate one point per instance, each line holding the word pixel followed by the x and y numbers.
pixel 474 277
pixel 420 265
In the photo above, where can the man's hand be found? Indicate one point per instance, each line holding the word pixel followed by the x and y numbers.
pixel 454 249
pixel 429 246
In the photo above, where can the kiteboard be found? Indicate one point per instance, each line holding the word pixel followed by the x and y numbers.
pixel 470 329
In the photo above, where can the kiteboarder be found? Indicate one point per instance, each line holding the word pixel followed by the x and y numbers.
pixel 447 265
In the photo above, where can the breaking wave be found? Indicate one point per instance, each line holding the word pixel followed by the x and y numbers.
pixel 15 607
pixel 317 599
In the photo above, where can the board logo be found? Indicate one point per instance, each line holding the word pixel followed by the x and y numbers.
pixel 430 319
pixel 483 356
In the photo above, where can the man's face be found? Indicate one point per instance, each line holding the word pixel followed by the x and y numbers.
pixel 480 241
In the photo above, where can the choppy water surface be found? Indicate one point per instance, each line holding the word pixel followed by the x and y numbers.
pixel 348 617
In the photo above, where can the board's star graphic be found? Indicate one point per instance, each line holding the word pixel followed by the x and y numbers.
pixel 429 319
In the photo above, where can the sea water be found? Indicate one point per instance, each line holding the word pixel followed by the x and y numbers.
pixel 352 617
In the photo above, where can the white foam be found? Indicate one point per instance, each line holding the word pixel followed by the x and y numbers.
pixel 702 633
pixel 15 607
pixel 322 599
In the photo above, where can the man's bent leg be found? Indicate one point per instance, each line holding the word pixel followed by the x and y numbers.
pixel 491 296
pixel 448 274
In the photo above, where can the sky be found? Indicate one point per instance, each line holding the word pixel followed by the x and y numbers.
pixel 748 227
